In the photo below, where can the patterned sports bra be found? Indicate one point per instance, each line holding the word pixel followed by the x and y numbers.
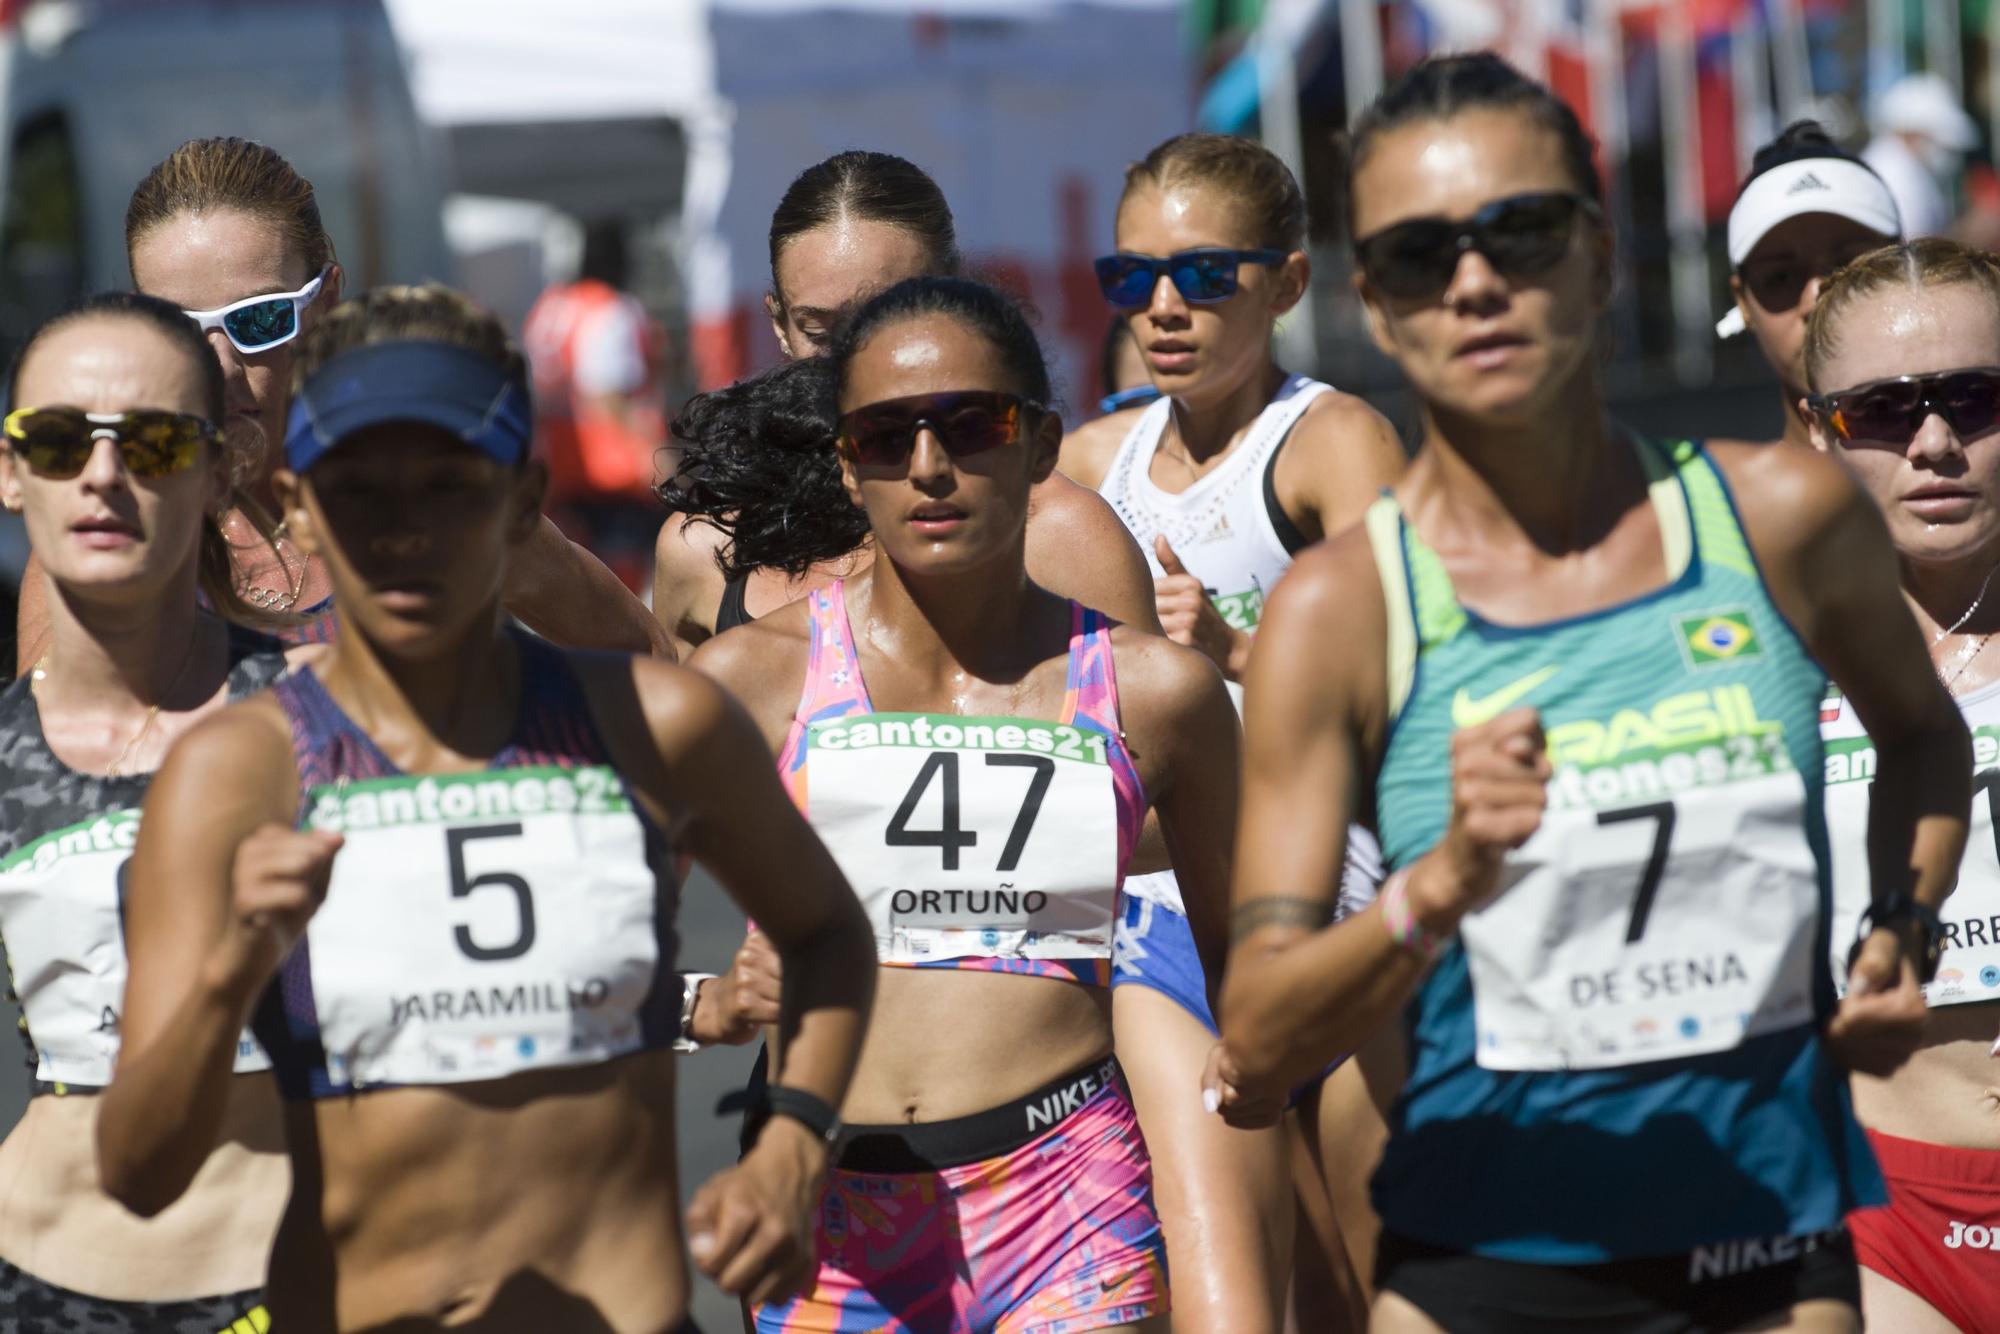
pixel 997 844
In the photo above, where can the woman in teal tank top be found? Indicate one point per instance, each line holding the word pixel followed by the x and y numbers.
pixel 1572 679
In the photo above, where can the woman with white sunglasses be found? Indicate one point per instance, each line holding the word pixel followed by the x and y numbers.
pixel 229 232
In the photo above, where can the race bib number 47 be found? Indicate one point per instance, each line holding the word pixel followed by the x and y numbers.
pixel 970 837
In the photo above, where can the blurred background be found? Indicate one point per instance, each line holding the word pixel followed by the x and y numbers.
pixel 555 159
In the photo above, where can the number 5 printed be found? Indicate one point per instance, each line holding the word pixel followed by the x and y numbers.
pixel 462 886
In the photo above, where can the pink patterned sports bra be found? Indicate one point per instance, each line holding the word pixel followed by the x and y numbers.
pixel 990 843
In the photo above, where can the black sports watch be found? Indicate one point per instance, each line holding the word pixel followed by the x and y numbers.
pixel 1902 906
pixel 815 1114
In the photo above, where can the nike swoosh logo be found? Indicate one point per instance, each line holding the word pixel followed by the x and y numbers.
pixel 1112 1284
pixel 1469 712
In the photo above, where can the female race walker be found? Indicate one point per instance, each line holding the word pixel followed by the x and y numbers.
pixel 748 534
pixel 113 459
pixel 443 858
pixel 1223 482
pixel 1573 678
pixel 759 517
pixel 979 754
pixel 1807 207
pixel 228 231
pixel 1904 350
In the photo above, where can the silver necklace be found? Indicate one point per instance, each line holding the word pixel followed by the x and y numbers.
pixel 1961 659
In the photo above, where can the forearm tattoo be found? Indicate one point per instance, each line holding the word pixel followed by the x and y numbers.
pixel 1307 914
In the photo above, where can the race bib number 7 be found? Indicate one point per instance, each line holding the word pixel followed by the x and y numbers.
pixel 1663 929
pixel 970 837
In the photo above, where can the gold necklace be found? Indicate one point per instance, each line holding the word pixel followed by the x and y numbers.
pixel 116 769
pixel 271 599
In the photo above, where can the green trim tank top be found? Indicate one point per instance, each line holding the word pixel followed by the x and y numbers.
pixel 477 925
pixel 65 837
pixel 1622 1047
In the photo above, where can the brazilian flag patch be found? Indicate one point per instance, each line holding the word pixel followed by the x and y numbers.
pixel 1717 636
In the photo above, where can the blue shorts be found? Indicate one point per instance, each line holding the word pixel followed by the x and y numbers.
pixel 1153 946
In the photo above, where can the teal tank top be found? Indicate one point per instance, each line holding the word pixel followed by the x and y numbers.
pixel 1619 1055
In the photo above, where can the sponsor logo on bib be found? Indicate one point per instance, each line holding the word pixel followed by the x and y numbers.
pixel 1718 636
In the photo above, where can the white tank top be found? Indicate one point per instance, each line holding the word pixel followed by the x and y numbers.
pixel 1222 527
pixel 1225 532
pixel 1970 969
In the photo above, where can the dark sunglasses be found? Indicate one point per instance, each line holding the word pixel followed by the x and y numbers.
pixel 1202 276
pixel 260 323
pixel 1889 413
pixel 965 422
pixel 1520 236
pixel 58 442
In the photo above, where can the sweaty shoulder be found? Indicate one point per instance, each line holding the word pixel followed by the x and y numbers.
pixel 1338 459
pixel 1786 494
pixel 1087 450
pixel 687 582
pixel 763 665
pixel 1325 632
pixel 240 756
pixel 1079 548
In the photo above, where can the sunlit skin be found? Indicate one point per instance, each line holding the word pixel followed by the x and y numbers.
pixel 948 620
pixel 1941 496
pixel 1802 251
pixel 130 667
pixel 1537 508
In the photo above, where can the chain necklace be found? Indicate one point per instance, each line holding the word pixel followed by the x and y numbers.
pixel 1961 660
pixel 271 599
pixel 116 768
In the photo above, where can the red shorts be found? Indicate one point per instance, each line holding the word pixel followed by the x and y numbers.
pixel 1939 1235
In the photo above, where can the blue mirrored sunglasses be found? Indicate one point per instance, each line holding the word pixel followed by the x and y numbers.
pixel 260 323
pixel 1201 276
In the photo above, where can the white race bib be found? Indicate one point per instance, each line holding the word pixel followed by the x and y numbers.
pixel 1970 968
pixel 482 924
pixel 970 837
pixel 60 915
pixel 1674 919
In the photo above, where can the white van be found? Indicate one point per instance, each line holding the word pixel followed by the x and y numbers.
pixel 93 93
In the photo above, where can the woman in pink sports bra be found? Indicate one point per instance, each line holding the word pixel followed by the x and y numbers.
pixel 979 754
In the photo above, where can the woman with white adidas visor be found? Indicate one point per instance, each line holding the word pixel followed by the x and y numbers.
pixel 1807 207
pixel 1904 351
pixel 1573 678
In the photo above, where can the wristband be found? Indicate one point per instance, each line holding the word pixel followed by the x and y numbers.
pixel 810 1111
pixel 1410 935
pixel 1903 906
pixel 690 995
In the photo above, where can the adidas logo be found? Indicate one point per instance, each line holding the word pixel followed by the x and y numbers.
pixel 1807 182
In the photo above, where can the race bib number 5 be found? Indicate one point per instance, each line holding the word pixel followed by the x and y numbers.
pixel 983 837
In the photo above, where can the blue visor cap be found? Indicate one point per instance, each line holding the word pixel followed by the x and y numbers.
pixel 416 380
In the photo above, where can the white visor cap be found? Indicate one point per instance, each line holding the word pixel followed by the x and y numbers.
pixel 1839 186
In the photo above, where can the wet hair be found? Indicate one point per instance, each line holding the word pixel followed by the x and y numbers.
pixel 1800 140
pixel 428 311
pixel 212 175
pixel 1260 186
pixel 1930 261
pixel 994 316
pixel 867 187
pixel 216 567
pixel 757 463
pixel 1445 86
